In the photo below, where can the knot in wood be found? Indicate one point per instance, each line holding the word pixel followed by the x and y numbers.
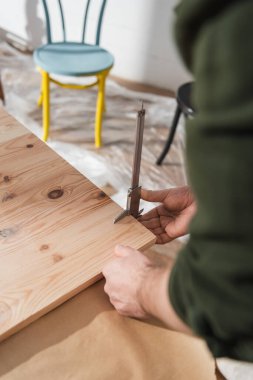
pixel 44 247
pixel 7 232
pixel 29 145
pixel 56 193
pixel 6 178
pixel 8 196
pixel 101 195
pixel 57 258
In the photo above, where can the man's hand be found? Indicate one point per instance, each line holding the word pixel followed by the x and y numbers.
pixel 170 219
pixel 127 278
pixel 137 286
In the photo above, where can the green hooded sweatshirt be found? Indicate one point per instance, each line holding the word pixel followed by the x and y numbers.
pixel 211 285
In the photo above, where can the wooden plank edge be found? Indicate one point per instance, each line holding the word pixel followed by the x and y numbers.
pixel 61 300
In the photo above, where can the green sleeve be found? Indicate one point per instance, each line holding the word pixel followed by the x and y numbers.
pixel 211 285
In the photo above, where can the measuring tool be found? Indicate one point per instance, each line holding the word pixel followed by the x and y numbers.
pixel 134 192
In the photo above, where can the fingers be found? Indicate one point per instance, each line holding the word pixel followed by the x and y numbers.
pixel 123 250
pixel 155 226
pixel 150 224
pixel 174 199
pixel 111 266
pixel 154 213
pixel 149 215
pixel 153 195
pixel 163 238
pixel 158 231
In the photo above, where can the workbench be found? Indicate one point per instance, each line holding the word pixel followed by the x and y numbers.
pixel 85 338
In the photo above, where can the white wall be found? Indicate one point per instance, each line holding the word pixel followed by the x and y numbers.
pixel 139 33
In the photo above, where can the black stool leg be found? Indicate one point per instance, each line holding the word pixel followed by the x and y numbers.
pixel 171 136
pixel 2 92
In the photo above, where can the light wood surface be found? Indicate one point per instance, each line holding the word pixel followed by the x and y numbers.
pixel 56 228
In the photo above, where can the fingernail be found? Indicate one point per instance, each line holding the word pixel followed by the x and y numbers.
pixel 119 246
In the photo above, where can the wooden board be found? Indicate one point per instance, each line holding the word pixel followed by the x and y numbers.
pixel 56 228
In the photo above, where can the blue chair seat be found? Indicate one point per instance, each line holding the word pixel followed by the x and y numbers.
pixel 73 58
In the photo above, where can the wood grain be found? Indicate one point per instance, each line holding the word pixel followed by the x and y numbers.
pixel 56 228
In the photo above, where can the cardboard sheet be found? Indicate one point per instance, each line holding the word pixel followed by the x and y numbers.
pixel 85 338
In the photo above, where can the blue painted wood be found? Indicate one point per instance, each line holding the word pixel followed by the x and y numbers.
pixel 99 24
pixel 48 24
pixel 62 20
pixel 85 20
pixel 73 59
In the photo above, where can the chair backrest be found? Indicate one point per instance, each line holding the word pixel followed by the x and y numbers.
pixel 86 13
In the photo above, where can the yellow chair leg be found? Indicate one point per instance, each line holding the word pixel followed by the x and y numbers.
pixel 40 100
pixel 46 104
pixel 104 103
pixel 100 108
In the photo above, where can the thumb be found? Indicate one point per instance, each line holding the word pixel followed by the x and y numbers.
pixel 123 250
pixel 154 195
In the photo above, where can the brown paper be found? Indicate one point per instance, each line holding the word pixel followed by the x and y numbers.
pixel 85 338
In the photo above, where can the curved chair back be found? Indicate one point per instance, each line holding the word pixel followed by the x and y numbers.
pixel 86 13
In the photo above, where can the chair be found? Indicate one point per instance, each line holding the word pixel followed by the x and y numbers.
pixel 184 106
pixel 76 59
